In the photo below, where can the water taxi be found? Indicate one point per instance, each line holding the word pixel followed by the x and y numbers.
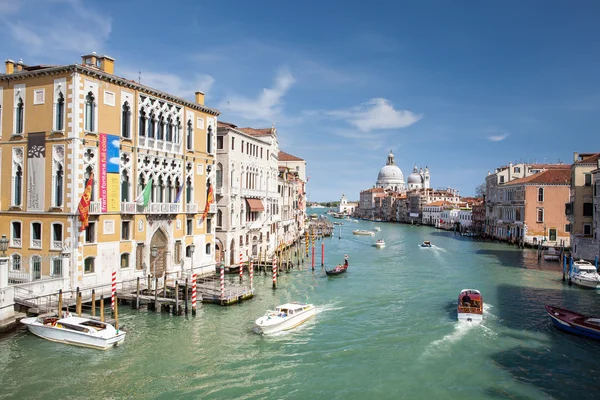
pixel 78 331
pixel 363 232
pixel 380 244
pixel 470 306
pixel 584 274
pixel 284 317
pixel 426 243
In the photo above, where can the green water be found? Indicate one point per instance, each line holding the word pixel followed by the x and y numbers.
pixel 385 330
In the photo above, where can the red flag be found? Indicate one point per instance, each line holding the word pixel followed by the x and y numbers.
pixel 209 201
pixel 84 204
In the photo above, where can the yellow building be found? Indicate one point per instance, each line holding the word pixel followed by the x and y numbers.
pixel 59 124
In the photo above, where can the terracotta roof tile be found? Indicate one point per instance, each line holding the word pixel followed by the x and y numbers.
pixel 283 156
pixel 256 132
pixel 547 177
pixel 590 159
pixel 223 124
pixel 550 166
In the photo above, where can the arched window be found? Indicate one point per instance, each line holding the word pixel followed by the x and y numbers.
pixel 18 187
pixel 541 194
pixel 126 121
pixel 188 191
pixel 151 125
pixel 16 262
pixel 190 135
pixel 169 197
pixel 36 267
pixel 169 130
pixel 141 183
pixel 176 132
pixel 219 175
pixel 209 138
pixel 60 112
pixel 86 176
pixel 142 123
pixel 125 185
pixel 125 260
pixel 153 191
pixel 19 115
pixel 58 186
pixel 161 190
pixel 219 218
pixel 90 105
pixel 177 189
pixel 88 265
pixel 160 135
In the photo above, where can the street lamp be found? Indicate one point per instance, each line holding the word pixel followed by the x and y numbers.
pixel 192 250
pixel 154 253
pixel 3 245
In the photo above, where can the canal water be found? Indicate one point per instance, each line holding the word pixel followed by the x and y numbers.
pixel 387 329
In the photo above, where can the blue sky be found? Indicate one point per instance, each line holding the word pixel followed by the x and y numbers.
pixel 462 87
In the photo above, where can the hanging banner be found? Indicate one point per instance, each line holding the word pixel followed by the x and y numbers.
pixel 36 171
pixel 110 158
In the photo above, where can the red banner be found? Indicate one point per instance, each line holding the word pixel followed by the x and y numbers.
pixel 84 204
pixel 209 201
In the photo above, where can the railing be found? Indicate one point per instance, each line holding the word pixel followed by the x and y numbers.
pixel 20 277
pixel 95 207
pixel 16 242
pixel 57 244
pixel 36 243
pixel 212 209
pixel 191 208
pixel 128 207
pixel 219 191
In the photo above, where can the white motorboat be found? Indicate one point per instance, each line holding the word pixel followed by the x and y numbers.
pixel 584 274
pixel 284 317
pixel 380 244
pixel 377 229
pixel 551 254
pixel 426 243
pixel 470 306
pixel 363 232
pixel 77 331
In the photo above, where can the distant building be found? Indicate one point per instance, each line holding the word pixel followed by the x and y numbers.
pixel 346 207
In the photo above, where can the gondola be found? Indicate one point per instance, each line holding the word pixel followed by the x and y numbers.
pixel 340 269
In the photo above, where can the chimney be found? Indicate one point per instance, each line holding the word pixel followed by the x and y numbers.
pixel 10 67
pixel 103 63
pixel 575 156
pixel 200 97
pixel 20 66
pixel 107 64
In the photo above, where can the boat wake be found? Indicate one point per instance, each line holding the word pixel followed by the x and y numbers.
pixel 328 307
pixel 460 330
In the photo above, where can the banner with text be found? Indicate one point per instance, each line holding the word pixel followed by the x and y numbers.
pixel 36 171
pixel 110 158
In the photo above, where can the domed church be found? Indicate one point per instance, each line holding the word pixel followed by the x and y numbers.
pixel 390 176
pixel 419 179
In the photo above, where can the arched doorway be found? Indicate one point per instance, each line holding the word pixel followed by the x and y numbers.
pixel 218 251
pixel 254 246
pixel 232 252
pixel 158 264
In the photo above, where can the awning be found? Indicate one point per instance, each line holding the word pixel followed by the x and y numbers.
pixel 255 205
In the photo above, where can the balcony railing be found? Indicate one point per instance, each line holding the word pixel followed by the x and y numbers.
pixel 16 242
pixel 95 207
pixel 36 243
pixel 128 207
pixel 57 244
pixel 219 191
pixel 212 209
pixel 163 208
pixel 191 208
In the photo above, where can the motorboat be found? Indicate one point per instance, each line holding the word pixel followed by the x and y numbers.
pixel 78 331
pixel 380 244
pixel 355 221
pixel 574 322
pixel 363 232
pixel 377 229
pixel 584 273
pixel 470 306
pixel 552 254
pixel 284 317
pixel 426 243
pixel 338 223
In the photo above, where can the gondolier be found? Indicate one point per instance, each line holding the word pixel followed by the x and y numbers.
pixel 346 260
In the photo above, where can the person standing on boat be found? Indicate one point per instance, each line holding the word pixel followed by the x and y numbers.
pixel 346 260
pixel 466 299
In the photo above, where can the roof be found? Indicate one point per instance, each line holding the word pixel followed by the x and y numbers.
pixel 99 74
pixel 547 177
pixel 374 190
pixel 590 159
pixel 223 124
pixel 550 166
pixel 436 204
pixel 256 132
pixel 288 157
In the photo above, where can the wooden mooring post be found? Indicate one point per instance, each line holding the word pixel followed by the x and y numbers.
pixel 79 304
pixel 156 308
pixel 137 294
pixel 116 311
pixel 185 296
pixel 93 302
pixel 101 308
pixel 176 310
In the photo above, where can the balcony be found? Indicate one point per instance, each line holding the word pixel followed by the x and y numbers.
pixel 212 209
pixel 36 243
pixel 57 245
pixel 163 208
pixel 95 207
pixel 191 208
pixel 219 191
pixel 128 207
pixel 14 242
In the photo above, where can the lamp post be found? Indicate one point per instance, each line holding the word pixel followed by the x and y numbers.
pixel 192 250
pixel 154 253
pixel 3 245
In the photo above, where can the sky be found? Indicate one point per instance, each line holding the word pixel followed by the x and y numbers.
pixel 461 87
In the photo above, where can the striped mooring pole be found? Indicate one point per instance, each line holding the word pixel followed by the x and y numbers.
pixel 222 281
pixel 274 272
pixel 306 241
pixel 113 290
pixel 194 294
pixel 241 267
pixel 251 271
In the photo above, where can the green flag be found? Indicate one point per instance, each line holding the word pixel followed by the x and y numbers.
pixel 144 197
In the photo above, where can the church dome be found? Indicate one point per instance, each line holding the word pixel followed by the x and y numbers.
pixel 390 176
pixel 415 178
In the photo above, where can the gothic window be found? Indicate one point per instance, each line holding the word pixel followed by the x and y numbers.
pixel 153 191
pixel 86 177
pixel 188 191
pixel 219 175
pixel 58 186
pixel 90 106
pixel 176 132
pixel 209 144
pixel 18 186
pixel 169 130
pixel 142 123
pixel 219 218
pixel 126 121
pixel 169 193
pixel 541 194
pixel 161 190
pixel 161 128
pixel 190 135
pixel 19 115
pixel 125 185
pixel 151 126
pixel 60 112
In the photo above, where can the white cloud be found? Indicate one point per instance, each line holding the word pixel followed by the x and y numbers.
pixel 496 135
pixel 170 83
pixel 267 105
pixel 55 26
pixel 377 113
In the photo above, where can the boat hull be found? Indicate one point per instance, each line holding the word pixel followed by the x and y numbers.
pixel 334 272
pixel 551 258
pixel 264 328
pixel 569 325
pixel 585 283
pixel 70 337
pixel 380 245
pixel 470 317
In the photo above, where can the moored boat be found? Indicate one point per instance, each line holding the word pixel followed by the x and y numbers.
pixel 426 243
pixel 551 254
pixel 78 331
pixel 380 244
pixel 584 274
pixel 470 306
pixel 574 322
pixel 284 317
pixel 363 232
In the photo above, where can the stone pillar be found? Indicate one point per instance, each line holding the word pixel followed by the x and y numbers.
pixel 7 295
